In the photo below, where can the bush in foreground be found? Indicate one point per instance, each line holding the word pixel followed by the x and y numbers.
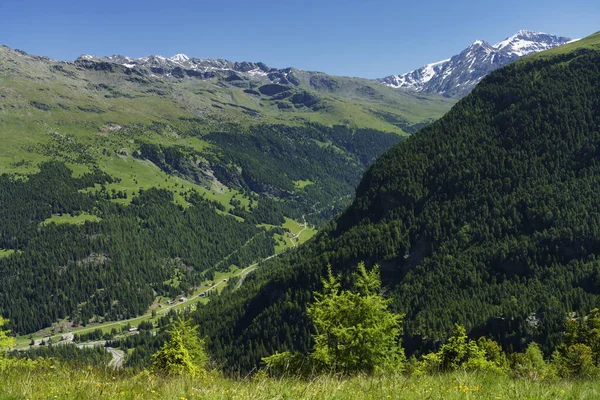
pixel 355 331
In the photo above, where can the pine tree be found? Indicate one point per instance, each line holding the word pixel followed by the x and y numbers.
pixel 355 329
pixel 192 342
pixel 173 358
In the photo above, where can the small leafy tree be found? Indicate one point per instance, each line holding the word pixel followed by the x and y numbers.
pixel 355 331
pixel 459 350
pixel 493 352
pixel 6 342
pixel 531 364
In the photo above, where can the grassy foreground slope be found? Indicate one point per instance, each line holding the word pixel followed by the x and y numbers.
pixel 488 218
pixel 55 381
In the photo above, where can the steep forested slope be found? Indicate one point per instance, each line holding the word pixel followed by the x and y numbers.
pixel 490 217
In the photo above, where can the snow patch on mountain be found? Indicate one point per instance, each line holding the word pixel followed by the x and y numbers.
pixel 179 58
pixel 457 76
pixel 181 66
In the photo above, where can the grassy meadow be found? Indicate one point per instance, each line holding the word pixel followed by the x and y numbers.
pixel 47 380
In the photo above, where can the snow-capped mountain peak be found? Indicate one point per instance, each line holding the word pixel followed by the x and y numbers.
pixel 527 42
pixel 179 58
pixel 457 76
pixel 479 42
pixel 180 66
pixel 481 45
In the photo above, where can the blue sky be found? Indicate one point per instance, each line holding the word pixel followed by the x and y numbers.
pixel 370 39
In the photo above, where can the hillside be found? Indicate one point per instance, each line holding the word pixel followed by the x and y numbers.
pixel 122 187
pixel 142 127
pixel 488 218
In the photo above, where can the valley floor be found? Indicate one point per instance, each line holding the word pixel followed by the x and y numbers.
pixel 47 381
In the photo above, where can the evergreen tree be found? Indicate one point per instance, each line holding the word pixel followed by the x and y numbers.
pixel 195 346
pixel 173 358
pixel 355 329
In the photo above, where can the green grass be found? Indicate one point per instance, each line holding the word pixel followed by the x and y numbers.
pixel 302 184
pixel 300 234
pixel 297 228
pixel 48 380
pixel 297 235
pixel 69 219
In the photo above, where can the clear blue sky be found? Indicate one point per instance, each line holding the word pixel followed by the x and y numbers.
pixel 370 39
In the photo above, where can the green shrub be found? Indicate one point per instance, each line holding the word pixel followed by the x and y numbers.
pixel 576 360
pixel 461 353
pixel 579 354
pixel 6 342
pixel 531 364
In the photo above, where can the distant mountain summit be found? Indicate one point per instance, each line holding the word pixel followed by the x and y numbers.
pixel 454 77
pixel 457 76
pixel 182 66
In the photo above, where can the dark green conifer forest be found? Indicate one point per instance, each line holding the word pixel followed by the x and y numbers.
pixel 114 265
pixel 489 218
pixel 108 268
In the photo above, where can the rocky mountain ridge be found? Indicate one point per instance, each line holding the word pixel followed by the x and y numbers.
pixel 458 75
pixel 181 66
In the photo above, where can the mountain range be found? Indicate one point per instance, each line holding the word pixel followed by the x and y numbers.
pixel 458 75
pixel 181 66
pixel 454 77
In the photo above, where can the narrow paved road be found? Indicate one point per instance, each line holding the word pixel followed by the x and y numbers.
pixel 244 273
pixel 118 357
pixel 297 236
